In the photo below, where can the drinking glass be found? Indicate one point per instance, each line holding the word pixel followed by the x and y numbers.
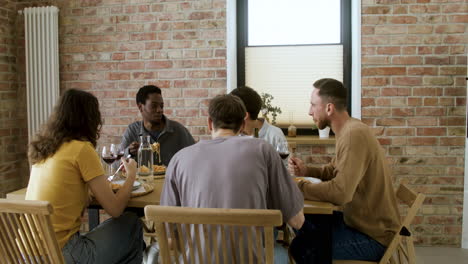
pixel 118 151
pixel 294 153
pixel 145 160
pixel 108 157
pixel 283 150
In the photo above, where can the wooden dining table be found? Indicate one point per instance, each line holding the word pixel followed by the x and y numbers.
pixel 152 198
pixel 321 210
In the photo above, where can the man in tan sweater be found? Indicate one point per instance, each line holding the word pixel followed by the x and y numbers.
pixel 358 179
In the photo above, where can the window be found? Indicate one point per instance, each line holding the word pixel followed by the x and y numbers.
pixel 283 46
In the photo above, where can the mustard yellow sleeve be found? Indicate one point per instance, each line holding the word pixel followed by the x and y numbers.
pixel 89 162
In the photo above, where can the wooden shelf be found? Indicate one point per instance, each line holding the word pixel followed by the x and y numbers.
pixel 311 140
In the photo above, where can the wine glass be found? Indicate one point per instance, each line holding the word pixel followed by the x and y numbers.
pixel 283 150
pixel 117 151
pixel 108 156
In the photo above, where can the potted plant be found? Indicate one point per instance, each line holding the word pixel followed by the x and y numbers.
pixel 268 108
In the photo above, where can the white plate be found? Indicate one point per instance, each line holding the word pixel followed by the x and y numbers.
pixel 136 184
pixel 311 179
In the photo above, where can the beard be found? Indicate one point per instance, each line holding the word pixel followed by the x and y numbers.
pixel 322 124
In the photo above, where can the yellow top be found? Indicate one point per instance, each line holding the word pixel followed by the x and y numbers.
pixel 61 180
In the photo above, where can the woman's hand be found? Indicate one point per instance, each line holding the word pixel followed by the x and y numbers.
pixel 130 167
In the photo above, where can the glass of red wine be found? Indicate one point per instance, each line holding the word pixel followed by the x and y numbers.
pixel 117 151
pixel 283 150
pixel 108 156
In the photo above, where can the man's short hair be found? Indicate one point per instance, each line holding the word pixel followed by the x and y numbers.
pixel 251 99
pixel 333 91
pixel 227 112
pixel 145 91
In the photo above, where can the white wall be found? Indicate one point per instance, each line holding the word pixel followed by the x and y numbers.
pixel 231 45
pixel 465 188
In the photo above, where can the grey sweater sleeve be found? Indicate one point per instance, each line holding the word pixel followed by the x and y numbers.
pixel 130 135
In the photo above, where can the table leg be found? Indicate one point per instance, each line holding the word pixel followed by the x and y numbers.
pixel 93 218
pixel 327 256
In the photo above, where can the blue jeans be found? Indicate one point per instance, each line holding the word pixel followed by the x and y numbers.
pixel 117 240
pixel 280 252
pixel 347 243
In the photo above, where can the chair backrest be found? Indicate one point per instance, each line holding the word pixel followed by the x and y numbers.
pixel 26 233
pixel 215 235
pixel 401 248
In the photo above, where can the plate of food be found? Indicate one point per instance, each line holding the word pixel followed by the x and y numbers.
pixel 116 185
pixel 159 169
pixel 310 179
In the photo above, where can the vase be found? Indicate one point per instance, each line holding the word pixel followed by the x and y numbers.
pixel 324 133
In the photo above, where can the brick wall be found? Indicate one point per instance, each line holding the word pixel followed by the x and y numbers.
pixel 414 94
pixel 413 88
pixel 13 163
pixel 112 48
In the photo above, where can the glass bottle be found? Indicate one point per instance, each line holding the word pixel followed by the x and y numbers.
pixel 291 128
pixel 145 159
pixel 256 132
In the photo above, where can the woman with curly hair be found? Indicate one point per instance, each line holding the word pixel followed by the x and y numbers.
pixel 64 163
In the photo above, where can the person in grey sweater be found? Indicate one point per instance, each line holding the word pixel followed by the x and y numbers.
pixel 171 135
pixel 229 171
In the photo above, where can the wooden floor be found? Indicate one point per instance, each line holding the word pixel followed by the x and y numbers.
pixel 441 255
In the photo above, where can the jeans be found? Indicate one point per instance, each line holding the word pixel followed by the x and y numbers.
pixel 347 243
pixel 280 252
pixel 117 240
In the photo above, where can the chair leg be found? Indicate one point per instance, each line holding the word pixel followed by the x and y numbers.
pixel 401 256
pixel 411 252
pixel 290 259
pixel 148 227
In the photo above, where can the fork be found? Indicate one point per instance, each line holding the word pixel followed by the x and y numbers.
pixel 110 178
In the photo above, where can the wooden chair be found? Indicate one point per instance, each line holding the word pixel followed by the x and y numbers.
pixel 401 248
pixel 215 234
pixel 26 233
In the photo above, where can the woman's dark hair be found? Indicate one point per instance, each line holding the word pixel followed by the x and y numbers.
pixel 227 112
pixel 145 91
pixel 75 117
pixel 333 91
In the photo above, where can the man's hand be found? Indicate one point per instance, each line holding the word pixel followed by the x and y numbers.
pixel 296 167
pixel 133 148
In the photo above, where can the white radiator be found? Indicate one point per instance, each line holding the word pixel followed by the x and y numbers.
pixel 42 64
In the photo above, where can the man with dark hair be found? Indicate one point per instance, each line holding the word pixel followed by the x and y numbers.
pixel 358 179
pixel 171 135
pixel 253 104
pixel 229 171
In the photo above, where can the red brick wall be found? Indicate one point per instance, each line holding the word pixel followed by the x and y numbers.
pixel 413 87
pixel 113 48
pixel 13 163
pixel 414 94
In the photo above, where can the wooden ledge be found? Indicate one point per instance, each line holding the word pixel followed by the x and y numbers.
pixel 311 140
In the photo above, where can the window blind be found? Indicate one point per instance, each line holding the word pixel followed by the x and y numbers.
pixel 288 72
